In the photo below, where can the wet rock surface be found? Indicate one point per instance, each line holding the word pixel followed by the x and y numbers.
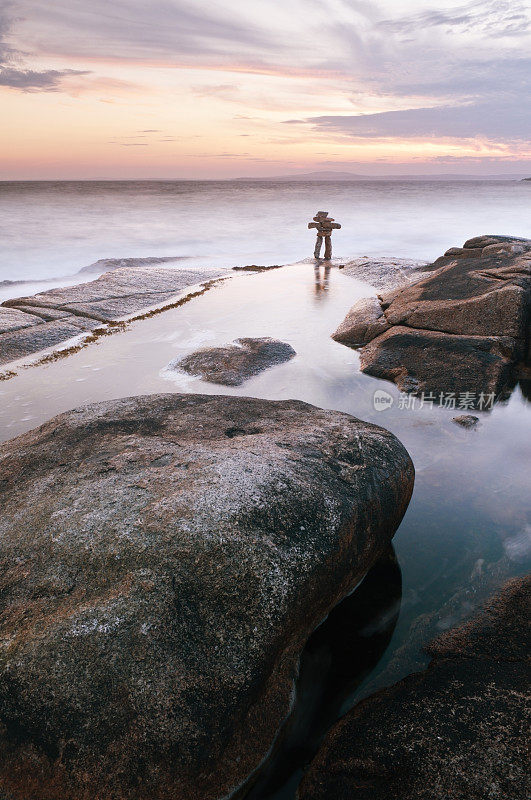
pixel 11 319
pixel 385 273
pixel 461 327
pixel 53 316
pixel 236 363
pixel 35 337
pixel 163 561
pixel 364 322
pixel 458 729
pixel 108 264
pixel 337 658
pixel 428 361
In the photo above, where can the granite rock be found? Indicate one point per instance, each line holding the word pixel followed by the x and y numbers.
pixel 458 729
pixel 432 362
pixel 163 561
pixel 384 273
pixel 364 322
pixel 476 301
pixel 236 363
pixel 468 421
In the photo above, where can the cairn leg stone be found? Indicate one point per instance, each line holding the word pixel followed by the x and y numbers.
pixel 318 245
pixel 328 248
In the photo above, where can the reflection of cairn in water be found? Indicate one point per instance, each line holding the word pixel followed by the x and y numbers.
pixel 325 225
pixel 321 284
pixel 338 656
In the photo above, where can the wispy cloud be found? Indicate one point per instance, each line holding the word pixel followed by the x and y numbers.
pixel 28 80
pixel 500 119
pixel 13 74
pixel 227 91
pixel 133 29
pixel 489 17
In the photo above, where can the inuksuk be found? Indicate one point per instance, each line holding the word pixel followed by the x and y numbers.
pixel 325 225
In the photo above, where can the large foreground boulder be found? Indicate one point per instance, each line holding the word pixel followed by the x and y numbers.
pixel 163 561
pixel 458 730
pixel 460 327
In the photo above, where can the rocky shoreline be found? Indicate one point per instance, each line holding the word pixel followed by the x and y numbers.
pixel 166 560
pixel 462 327
pixel 47 319
pixel 130 287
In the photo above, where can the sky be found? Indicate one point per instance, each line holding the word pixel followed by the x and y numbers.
pixel 170 89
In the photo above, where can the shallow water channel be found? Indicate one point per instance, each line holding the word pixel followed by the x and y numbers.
pixel 467 527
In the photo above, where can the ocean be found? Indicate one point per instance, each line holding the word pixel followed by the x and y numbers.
pixel 51 230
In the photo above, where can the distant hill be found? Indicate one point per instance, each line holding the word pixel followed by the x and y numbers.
pixel 353 176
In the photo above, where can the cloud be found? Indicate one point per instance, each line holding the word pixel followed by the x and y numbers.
pixel 224 90
pixel 459 70
pixel 461 52
pixel 27 80
pixel 31 81
pixel 494 18
pixel 503 119
pixel 345 40
pixel 469 78
pixel 134 29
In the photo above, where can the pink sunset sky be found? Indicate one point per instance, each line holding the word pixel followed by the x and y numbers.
pixel 172 89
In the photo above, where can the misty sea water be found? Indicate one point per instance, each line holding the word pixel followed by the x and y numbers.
pixel 49 230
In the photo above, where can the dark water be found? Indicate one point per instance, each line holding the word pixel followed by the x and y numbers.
pixel 467 527
pixel 339 655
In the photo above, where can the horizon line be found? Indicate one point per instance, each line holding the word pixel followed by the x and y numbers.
pixel 355 178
